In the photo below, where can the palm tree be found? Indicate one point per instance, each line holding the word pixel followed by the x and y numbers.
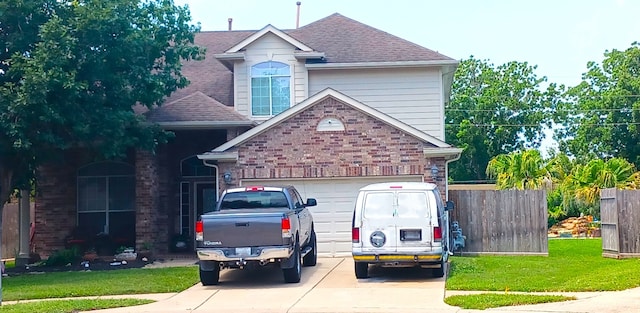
pixel 586 181
pixel 519 170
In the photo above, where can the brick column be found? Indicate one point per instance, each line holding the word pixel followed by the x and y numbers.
pixel 55 207
pixel 147 202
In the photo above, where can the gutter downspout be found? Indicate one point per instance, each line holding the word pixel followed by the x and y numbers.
pixel 217 177
pixel 446 169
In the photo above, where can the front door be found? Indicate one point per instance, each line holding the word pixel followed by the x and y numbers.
pixel 205 197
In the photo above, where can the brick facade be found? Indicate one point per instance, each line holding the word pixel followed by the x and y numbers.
pixel 367 147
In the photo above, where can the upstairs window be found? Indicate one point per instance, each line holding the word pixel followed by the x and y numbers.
pixel 270 88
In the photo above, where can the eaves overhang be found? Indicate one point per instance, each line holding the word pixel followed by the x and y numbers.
pixel 205 125
pixel 398 64
pixel 446 152
pixel 303 55
pixel 219 156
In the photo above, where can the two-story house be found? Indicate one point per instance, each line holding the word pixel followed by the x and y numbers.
pixel 328 107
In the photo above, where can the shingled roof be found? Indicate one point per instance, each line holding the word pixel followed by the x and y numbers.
pixel 341 39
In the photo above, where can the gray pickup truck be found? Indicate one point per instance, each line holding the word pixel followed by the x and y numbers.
pixel 256 226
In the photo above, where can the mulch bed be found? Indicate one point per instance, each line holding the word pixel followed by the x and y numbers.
pixel 96 265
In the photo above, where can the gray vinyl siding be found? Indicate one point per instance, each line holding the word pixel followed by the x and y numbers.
pixel 269 47
pixel 413 96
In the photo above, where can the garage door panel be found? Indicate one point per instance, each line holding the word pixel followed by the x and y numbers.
pixel 336 199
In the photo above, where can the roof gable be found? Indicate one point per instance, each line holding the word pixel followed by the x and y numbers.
pixel 268 29
pixel 317 98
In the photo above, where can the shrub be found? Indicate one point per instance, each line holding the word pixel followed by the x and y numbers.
pixel 63 257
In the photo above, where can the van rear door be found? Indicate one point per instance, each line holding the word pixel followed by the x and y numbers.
pixel 414 220
pixel 378 229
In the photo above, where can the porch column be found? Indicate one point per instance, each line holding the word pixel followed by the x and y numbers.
pixel 24 228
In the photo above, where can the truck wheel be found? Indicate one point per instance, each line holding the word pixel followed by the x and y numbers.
pixel 439 272
pixel 292 275
pixel 312 257
pixel 210 277
pixel 362 269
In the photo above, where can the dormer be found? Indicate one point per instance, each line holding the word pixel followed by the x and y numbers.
pixel 269 72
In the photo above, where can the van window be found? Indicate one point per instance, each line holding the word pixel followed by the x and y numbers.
pixel 413 204
pixel 378 204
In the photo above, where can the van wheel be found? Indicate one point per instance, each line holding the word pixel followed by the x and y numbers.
pixel 312 257
pixel 362 269
pixel 292 275
pixel 211 277
pixel 439 272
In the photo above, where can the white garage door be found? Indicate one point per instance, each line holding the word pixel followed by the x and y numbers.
pixel 336 198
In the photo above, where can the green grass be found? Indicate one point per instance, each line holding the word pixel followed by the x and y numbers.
pixel 70 306
pixel 493 300
pixel 98 283
pixel 572 265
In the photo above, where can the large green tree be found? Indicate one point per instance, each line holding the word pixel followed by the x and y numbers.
pixel 71 73
pixel 496 110
pixel 603 114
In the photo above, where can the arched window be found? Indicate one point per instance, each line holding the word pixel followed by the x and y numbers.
pixel 270 88
pixel 193 167
pixel 106 199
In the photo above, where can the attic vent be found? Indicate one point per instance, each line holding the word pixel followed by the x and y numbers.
pixel 330 124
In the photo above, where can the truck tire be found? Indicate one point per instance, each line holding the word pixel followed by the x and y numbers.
pixel 312 257
pixel 292 275
pixel 362 270
pixel 210 277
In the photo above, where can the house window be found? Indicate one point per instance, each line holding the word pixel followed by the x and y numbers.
pixel 106 199
pixel 270 88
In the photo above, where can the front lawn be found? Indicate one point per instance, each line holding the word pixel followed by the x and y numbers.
pixel 572 265
pixel 98 283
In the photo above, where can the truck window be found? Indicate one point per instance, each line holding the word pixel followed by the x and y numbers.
pixel 378 205
pixel 254 200
pixel 413 204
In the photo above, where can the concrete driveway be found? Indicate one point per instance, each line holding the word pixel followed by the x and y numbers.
pixel 330 286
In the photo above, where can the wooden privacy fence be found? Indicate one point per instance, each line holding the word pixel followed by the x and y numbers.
pixel 10 230
pixel 505 222
pixel 620 223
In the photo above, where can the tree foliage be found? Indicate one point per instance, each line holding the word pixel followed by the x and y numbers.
pixel 495 110
pixel 71 73
pixel 604 119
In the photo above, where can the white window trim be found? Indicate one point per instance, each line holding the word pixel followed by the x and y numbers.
pixel 249 88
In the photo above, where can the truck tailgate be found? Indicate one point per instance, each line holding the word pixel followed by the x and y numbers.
pixel 230 229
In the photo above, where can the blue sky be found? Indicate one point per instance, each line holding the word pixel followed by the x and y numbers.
pixel 559 36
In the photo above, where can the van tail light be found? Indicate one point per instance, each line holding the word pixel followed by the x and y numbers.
pixel 199 231
pixel 286 227
pixel 355 235
pixel 437 233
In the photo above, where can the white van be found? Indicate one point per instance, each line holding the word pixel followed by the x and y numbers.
pixel 401 224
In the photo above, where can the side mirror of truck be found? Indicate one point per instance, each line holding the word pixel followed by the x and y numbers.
pixel 312 202
pixel 449 206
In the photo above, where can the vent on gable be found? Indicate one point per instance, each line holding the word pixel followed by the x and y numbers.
pixel 330 124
